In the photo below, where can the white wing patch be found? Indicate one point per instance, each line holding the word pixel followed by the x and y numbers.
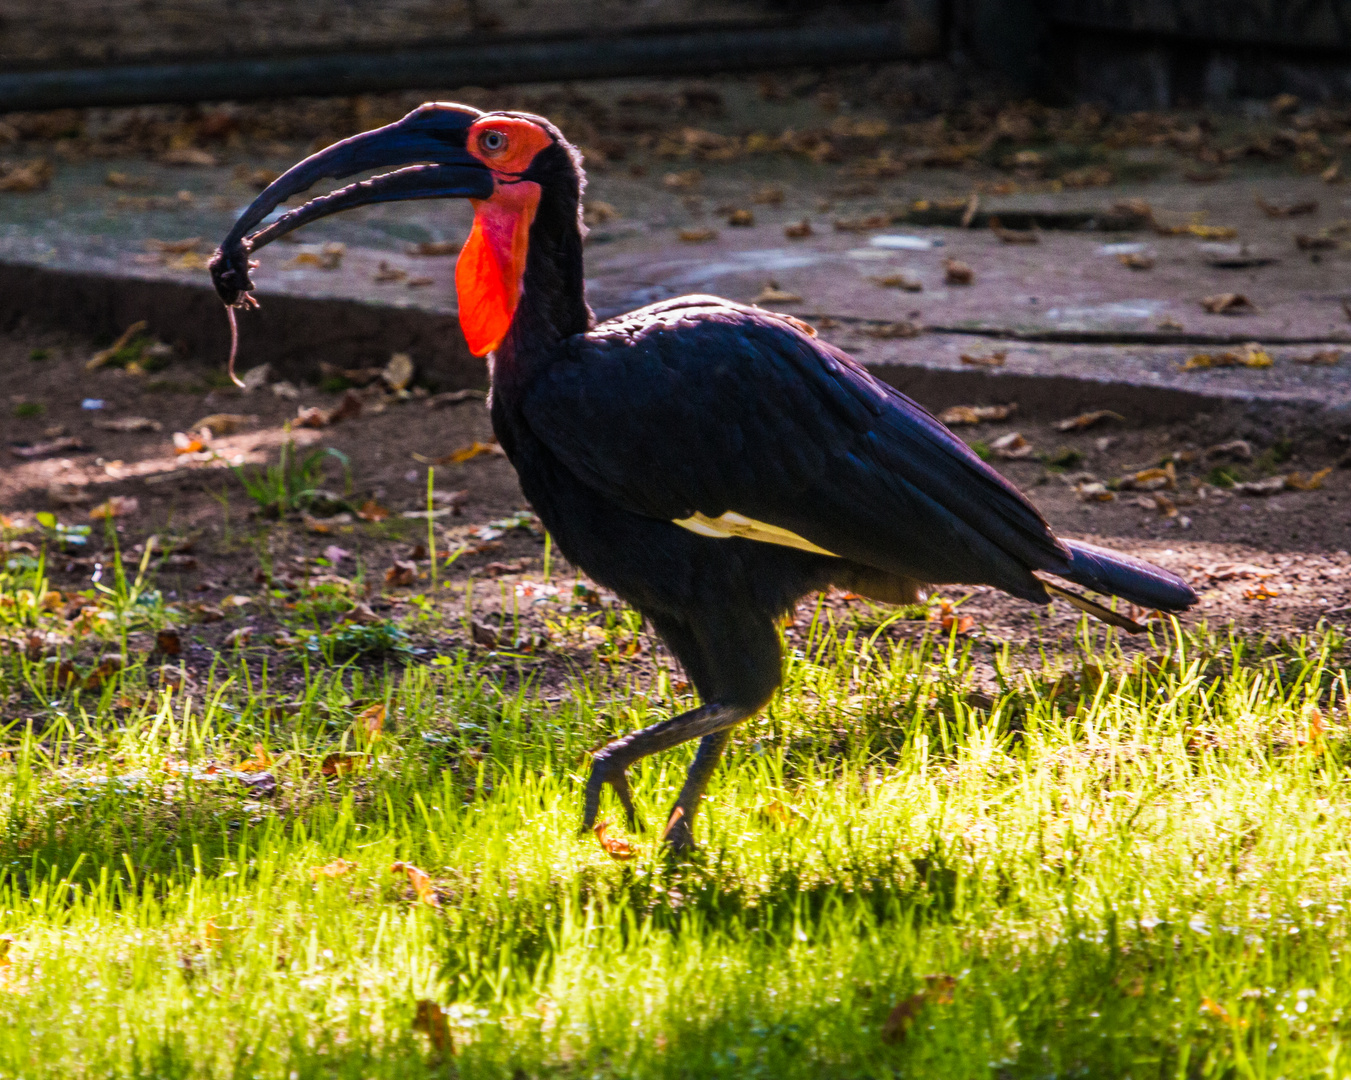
pixel 730 524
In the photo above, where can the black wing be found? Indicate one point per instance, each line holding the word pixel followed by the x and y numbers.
pixel 701 405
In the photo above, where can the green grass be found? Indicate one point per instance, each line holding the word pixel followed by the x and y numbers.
pixel 1128 866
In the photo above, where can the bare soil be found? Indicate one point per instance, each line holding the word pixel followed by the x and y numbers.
pixel 1267 564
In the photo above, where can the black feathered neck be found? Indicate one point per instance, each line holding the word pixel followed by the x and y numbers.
pixel 553 294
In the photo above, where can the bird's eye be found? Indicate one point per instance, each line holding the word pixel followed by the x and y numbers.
pixel 493 142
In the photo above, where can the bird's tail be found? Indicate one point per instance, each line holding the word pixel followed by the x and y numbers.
pixel 1134 580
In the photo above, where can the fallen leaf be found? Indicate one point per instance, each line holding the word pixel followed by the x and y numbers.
pixel 1228 304
pixel 431 1020
pixel 1084 421
pixel 1263 591
pixel 1136 260
pixel 259 762
pixel 370 720
pixel 454 397
pixel 1011 447
pixel 401 575
pixel 994 359
pixel 338 764
pixel 956 272
pixel 43 449
pixel 220 424
pixel 186 444
pixel 904 279
pixel 1273 485
pixel 1332 174
pixel 1014 236
pixel 337 868
pixel 1253 356
pixel 434 248
pixel 473 450
pixel 682 181
pixel 329 257
pixel 349 408
pixel 1235 450
pixel 976 414
pixel 168 642
pixel 1316 242
pixel 238 638
pixel 770 195
pixel 772 294
pixel 116 507
pixel 1094 491
pixel 371 510
pixel 129 424
pixel 741 218
pixel 798 230
pixel 307 416
pixel 868 223
pixel 1298 482
pixel 614 847
pixel 398 373
pixel 420 881
pixel 189 156
pixel 1298 209
pixel 903 329
pixel 698 236
pixel 1322 358
pixel 34 175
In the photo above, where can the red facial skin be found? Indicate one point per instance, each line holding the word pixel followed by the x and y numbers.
pixel 492 262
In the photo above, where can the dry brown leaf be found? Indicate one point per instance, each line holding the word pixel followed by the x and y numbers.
pixel 329 257
pixel 1011 447
pixel 798 230
pixel 420 881
pixel 772 294
pixel 1316 242
pixel 431 1020
pixel 614 847
pixel 1332 174
pixel 399 372
pixel 1014 236
pixel 1262 591
pixel 220 424
pixel 370 720
pixel 994 359
pixel 1298 482
pixel 976 414
pixel 741 218
pixel 770 195
pixel 1136 260
pixel 386 274
pixel 189 156
pixel 1253 356
pixel 238 638
pixel 34 175
pixel 372 511
pixel 307 416
pixel 682 181
pixel 104 355
pixel 1298 209
pixel 1228 304
pixel 868 223
pixel 129 424
pixel 431 248
pixel 349 408
pixel 956 272
pixel 401 575
pixel 698 236
pixel 1322 358
pixel 1084 421
pixel 337 868
pixel 473 450
pixel 259 762
pixel 902 329
pixel 116 507
pixel 903 279
pixel 339 764
pixel 168 642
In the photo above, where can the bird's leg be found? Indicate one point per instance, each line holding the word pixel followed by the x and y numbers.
pixel 610 763
pixel 680 825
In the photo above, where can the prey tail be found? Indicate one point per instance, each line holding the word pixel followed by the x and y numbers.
pixel 1135 580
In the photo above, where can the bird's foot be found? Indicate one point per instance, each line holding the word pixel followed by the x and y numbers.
pixel 608 770
pixel 679 836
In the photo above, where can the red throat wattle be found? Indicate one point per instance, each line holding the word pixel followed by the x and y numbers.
pixel 492 264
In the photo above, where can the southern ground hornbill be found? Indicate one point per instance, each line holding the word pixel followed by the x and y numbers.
pixel 708 461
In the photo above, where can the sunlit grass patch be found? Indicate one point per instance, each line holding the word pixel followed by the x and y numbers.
pixel 922 859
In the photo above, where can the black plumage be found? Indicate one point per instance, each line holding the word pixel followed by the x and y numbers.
pixel 691 409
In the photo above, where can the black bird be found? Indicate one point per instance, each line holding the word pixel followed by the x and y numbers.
pixel 709 462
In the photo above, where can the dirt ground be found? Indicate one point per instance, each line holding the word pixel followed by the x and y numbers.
pixel 1266 563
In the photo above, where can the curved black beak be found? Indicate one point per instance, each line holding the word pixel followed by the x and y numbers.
pixel 433 134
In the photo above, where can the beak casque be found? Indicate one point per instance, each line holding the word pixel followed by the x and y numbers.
pixel 433 135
